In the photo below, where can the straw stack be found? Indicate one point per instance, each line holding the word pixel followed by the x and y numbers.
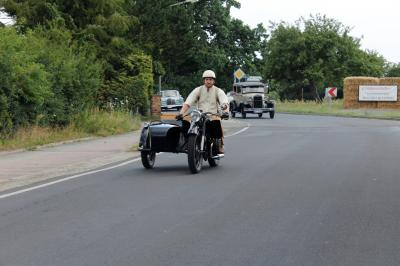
pixel 351 88
pixel 391 82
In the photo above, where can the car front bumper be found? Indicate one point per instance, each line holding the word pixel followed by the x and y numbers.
pixel 258 110
pixel 173 106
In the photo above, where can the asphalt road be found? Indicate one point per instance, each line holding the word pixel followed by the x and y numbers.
pixel 296 190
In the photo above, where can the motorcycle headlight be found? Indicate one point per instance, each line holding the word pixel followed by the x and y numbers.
pixel 195 115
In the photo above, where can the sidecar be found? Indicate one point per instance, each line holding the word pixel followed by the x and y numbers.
pixel 160 136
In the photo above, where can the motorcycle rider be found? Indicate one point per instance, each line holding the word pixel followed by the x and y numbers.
pixel 208 99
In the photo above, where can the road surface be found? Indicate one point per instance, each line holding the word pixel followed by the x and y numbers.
pixel 295 190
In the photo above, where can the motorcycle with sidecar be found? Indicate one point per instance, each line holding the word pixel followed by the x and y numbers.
pixel 199 138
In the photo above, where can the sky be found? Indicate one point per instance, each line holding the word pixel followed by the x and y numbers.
pixel 377 23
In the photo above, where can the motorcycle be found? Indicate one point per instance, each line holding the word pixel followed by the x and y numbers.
pixel 199 139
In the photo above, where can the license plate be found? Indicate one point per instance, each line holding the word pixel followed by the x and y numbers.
pixel 257 111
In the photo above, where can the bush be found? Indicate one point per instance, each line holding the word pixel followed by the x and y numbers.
pixel 74 73
pixel 24 82
pixel 134 86
pixel 45 78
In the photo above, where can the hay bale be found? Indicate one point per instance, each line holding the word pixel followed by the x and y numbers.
pixel 361 81
pixel 389 105
pixel 351 92
pixel 390 81
pixel 369 105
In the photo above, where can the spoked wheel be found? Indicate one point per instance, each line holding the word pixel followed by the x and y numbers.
pixel 214 149
pixel 195 159
pixel 148 159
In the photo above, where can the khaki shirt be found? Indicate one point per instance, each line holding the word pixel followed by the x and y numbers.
pixel 207 100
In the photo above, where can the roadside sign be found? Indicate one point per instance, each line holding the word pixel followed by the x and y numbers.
pixel 381 93
pixel 239 74
pixel 331 92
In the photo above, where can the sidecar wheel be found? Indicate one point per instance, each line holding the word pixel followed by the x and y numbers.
pixel 148 159
pixel 195 159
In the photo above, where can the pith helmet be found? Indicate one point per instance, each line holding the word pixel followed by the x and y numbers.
pixel 209 74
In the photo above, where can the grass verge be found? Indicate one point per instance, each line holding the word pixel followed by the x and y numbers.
pixel 335 108
pixel 86 124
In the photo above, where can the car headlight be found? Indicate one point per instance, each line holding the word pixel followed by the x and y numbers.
pixel 196 115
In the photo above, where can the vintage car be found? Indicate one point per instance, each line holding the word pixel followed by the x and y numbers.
pixel 230 94
pixel 171 99
pixel 250 97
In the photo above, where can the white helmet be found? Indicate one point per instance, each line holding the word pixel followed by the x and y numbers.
pixel 208 74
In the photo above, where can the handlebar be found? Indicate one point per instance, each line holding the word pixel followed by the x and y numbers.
pixel 222 116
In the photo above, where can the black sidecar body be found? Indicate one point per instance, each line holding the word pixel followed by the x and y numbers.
pixel 162 136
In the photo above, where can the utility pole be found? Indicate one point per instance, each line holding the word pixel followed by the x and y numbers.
pixel 159 84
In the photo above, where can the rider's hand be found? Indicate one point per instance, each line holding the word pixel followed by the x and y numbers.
pixel 225 115
pixel 179 117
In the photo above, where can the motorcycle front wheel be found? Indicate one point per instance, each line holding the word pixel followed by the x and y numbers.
pixel 195 159
pixel 148 159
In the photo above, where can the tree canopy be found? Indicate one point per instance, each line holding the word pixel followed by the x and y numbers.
pixel 97 53
pixel 313 54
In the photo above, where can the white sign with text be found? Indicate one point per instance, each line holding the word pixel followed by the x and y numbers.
pixel 377 93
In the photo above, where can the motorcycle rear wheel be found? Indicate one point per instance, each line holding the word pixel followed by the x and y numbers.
pixel 195 159
pixel 148 159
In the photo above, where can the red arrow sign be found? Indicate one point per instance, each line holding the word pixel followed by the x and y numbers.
pixel 332 92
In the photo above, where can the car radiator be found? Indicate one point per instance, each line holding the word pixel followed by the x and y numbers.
pixel 170 101
pixel 258 102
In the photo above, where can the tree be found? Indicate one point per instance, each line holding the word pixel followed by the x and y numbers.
pixel 392 70
pixel 313 54
pixel 102 24
pixel 188 39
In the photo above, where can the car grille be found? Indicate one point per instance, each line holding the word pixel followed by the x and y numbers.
pixel 170 101
pixel 258 102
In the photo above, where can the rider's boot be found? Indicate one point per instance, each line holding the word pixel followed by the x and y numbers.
pixel 221 147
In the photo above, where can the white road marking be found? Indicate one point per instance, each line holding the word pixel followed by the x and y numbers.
pixel 66 179
pixel 88 173
pixel 240 131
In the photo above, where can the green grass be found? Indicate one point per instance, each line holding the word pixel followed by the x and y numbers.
pixel 86 124
pixel 335 108
pixel 101 123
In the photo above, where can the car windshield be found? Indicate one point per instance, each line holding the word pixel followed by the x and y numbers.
pixel 251 89
pixel 170 94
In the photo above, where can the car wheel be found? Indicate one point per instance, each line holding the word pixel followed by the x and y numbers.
pixel 232 109
pixel 272 114
pixel 243 113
